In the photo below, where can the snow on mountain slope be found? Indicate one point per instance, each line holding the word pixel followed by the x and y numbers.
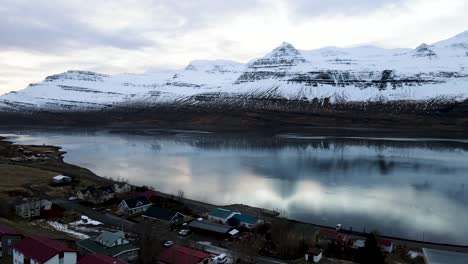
pixel 429 72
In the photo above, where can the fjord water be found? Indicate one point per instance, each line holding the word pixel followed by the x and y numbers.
pixel 407 187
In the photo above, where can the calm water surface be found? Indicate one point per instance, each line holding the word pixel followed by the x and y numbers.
pixel 405 187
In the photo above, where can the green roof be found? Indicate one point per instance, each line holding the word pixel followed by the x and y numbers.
pixel 108 238
pixel 96 248
pixel 246 219
pixel 220 212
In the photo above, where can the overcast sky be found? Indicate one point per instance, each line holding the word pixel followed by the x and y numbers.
pixel 39 38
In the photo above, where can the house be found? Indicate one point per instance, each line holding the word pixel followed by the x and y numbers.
pixel 163 214
pixel 55 211
pixel 61 180
pixel 32 208
pixel 246 221
pixel 43 250
pixel 435 256
pixel 220 215
pixel 212 229
pixel 386 245
pixel 135 205
pixel 99 259
pixel 313 255
pixel 8 238
pixel 96 195
pixel 122 187
pixel 184 255
pixel 111 244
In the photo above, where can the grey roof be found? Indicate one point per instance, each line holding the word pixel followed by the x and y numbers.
pixel 160 213
pixel 94 247
pixel 435 256
pixel 217 228
pixel 110 238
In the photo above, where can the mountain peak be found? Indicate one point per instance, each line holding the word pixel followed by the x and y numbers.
pixel 285 55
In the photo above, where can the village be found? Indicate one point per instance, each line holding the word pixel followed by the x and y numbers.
pixel 72 216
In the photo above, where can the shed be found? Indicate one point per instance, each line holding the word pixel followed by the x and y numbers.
pixel 211 229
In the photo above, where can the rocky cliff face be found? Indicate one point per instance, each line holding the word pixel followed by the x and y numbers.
pixel 428 80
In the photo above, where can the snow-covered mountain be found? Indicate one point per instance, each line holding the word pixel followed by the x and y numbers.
pixel 330 75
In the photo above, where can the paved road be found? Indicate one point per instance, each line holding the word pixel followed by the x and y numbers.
pixel 103 217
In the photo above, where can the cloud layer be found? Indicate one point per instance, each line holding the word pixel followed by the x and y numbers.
pixel 39 38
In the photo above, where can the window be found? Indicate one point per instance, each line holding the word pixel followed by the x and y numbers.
pixel 9 251
pixel 9 242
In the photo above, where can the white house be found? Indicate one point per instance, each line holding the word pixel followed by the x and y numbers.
pixel 122 187
pixel 314 255
pixel 42 250
pixel 32 208
pixel 135 205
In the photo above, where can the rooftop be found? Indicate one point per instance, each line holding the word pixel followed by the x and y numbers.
pixel 160 213
pixel 182 255
pixel 41 249
pixel 220 212
pixel 99 259
pixel 108 238
pixel 94 247
pixel 217 228
pixel 137 202
pixel 6 230
pixel 435 256
pixel 246 219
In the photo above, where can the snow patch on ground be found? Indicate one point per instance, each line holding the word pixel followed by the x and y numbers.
pixel 86 221
pixel 65 229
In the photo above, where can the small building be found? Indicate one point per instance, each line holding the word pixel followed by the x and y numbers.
pixel 55 211
pixel 184 255
pixel 314 255
pixel 122 187
pixel 32 208
pixel 134 206
pixel 112 244
pixel 247 221
pixel 43 250
pixel 435 256
pixel 386 245
pixel 221 215
pixel 61 180
pixel 163 214
pixel 212 229
pixel 96 195
pixel 8 238
pixel 99 259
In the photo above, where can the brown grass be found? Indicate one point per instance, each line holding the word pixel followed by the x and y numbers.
pixel 17 176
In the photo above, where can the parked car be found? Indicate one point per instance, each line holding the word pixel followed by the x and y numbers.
pixel 221 259
pixel 168 244
pixel 185 232
pixel 72 198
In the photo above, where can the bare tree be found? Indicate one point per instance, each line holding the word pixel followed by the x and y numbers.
pixel 180 194
pixel 246 251
pixel 151 235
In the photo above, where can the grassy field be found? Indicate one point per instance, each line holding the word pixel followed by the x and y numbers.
pixel 15 175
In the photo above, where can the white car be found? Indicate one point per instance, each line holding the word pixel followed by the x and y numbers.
pixel 220 259
pixel 168 244
pixel 73 198
pixel 184 232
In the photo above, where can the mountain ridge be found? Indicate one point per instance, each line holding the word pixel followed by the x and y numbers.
pixel 426 81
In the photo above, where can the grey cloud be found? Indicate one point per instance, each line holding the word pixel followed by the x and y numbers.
pixel 355 7
pixel 53 26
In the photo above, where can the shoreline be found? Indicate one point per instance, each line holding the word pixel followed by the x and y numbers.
pixel 265 213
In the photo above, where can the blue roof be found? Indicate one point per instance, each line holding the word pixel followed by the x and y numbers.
pixel 220 212
pixel 246 219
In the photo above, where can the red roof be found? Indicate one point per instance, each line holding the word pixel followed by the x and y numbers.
pixel 329 233
pixel 41 249
pixel 182 255
pixel 99 259
pixel 385 243
pixel 6 230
